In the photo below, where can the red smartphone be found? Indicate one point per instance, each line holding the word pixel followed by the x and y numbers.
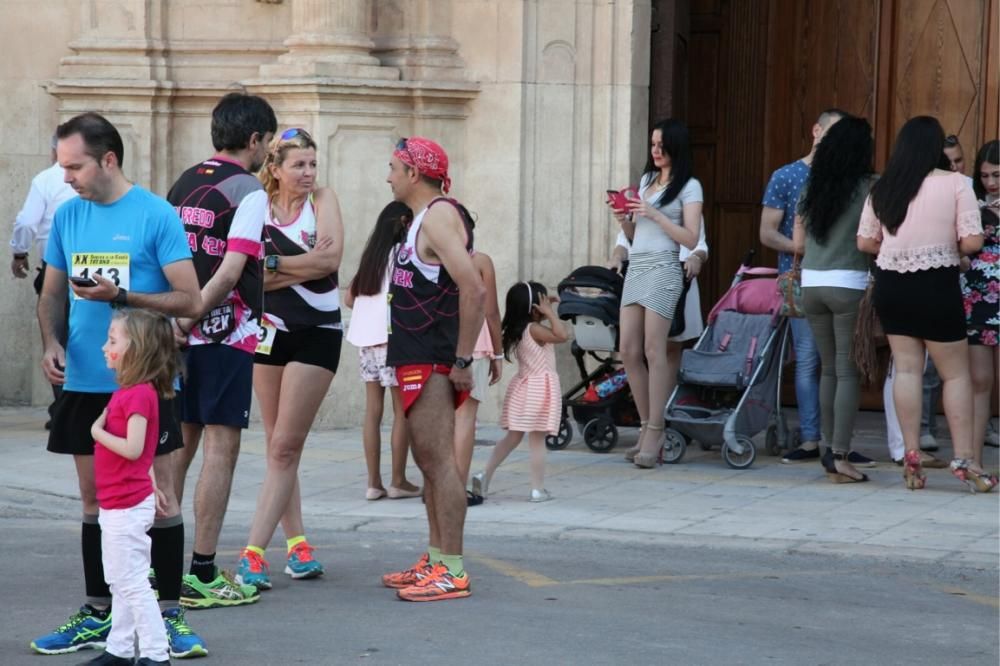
pixel 619 199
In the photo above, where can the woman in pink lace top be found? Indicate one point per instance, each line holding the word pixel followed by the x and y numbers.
pixel 920 220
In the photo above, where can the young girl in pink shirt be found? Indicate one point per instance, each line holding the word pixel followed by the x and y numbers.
pixel 140 349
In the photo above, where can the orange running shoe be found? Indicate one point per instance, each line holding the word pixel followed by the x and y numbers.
pixel 400 579
pixel 439 584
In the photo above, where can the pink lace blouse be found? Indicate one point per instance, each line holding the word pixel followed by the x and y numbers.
pixel 943 211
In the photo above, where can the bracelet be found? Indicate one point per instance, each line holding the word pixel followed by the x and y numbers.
pixel 498 357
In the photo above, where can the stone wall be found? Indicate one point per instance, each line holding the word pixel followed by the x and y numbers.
pixel 541 105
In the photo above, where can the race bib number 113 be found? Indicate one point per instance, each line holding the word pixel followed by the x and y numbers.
pixel 112 266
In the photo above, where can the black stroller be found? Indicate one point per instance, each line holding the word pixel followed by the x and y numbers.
pixel 589 298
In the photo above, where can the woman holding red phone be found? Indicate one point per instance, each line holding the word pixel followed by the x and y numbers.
pixel 665 216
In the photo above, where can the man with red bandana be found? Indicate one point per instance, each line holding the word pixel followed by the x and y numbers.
pixel 435 313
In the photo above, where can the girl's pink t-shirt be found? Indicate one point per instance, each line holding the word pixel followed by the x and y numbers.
pixel 943 211
pixel 122 483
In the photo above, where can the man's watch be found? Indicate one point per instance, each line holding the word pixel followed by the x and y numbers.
pixel 271 263
pixel 121 297
pixel 463 363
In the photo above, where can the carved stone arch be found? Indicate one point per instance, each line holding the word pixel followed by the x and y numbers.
pixel 558 63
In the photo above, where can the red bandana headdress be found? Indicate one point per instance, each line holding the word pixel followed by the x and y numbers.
pixel 425 156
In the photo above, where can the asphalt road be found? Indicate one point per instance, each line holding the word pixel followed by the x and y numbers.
pixel 551 600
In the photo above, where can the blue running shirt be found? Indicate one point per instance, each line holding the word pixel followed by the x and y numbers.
pixel 129 242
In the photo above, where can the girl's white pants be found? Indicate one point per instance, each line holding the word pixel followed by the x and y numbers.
pixel 135 611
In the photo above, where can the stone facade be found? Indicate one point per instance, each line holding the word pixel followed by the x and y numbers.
pixel 541 105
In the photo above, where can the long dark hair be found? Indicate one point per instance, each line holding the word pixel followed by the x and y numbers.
pixel 519 312
pixel 677 145
pixel 388 231
pixel 915 154
pixel 989 152
pixel 843 159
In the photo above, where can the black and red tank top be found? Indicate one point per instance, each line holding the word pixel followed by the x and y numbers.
pixel 423 301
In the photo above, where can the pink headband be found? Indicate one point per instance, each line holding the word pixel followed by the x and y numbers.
pixel 425 156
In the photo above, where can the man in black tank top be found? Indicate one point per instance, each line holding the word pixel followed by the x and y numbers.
pixel 436 312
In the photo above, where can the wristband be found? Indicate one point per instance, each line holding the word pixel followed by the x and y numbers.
pixel 498 357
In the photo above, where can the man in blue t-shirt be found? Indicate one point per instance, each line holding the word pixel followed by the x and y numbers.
pixel 776 222
pixel 116 245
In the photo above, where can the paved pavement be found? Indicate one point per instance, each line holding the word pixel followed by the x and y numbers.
pixel 695 561
pixel 699 501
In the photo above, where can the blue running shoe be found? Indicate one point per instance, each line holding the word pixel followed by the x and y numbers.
pixel 254 570
pixel 184 643
pixel 301 563
pixel 85 629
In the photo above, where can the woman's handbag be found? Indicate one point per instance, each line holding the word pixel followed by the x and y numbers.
pixel 868 337
pixel 790 288
pixel 678 325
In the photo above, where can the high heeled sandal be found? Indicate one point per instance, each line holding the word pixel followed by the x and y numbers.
pixel 649 460
pixel 839 477
pixel 913 472
pixel 631 453
pixel 978 482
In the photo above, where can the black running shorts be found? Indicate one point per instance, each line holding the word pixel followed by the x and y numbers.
pixel 74 412
pixel 311 346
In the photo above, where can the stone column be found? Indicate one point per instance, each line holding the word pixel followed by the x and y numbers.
pixel 330 39
pixel 118 68
pixel 119 39
pixel 415 37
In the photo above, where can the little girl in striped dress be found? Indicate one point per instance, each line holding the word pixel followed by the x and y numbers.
pixel 533 403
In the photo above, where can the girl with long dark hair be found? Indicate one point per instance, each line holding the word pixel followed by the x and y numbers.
pixel 911 221
pixel 834 277
pixel 532 403
pixel 981 293
pixel 368 331
pixel 665 216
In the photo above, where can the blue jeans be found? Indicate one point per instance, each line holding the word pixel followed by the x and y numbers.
pixel 806 379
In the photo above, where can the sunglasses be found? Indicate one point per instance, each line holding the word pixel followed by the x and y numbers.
pixel 293 132
pixel 401 145
pixel 951 140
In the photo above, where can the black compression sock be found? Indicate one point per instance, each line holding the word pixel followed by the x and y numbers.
pixel 167 557
pixel 93 568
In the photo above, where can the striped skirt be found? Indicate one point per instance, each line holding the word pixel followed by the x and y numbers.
pixel 654 280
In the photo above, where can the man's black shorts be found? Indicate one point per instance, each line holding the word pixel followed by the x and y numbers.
pixel 74 412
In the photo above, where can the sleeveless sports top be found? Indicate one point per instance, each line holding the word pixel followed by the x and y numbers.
pixel 423 302
pixel 315 303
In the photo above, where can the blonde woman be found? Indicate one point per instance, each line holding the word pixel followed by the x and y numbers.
pixel 300 340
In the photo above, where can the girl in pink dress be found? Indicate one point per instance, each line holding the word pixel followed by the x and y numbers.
pixel 533 401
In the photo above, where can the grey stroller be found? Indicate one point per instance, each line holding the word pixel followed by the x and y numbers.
pixel 728 385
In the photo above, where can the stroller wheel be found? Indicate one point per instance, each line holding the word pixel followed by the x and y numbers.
pixel 674 446
pixel 740 460
pixel 600 434
pixel 561 440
